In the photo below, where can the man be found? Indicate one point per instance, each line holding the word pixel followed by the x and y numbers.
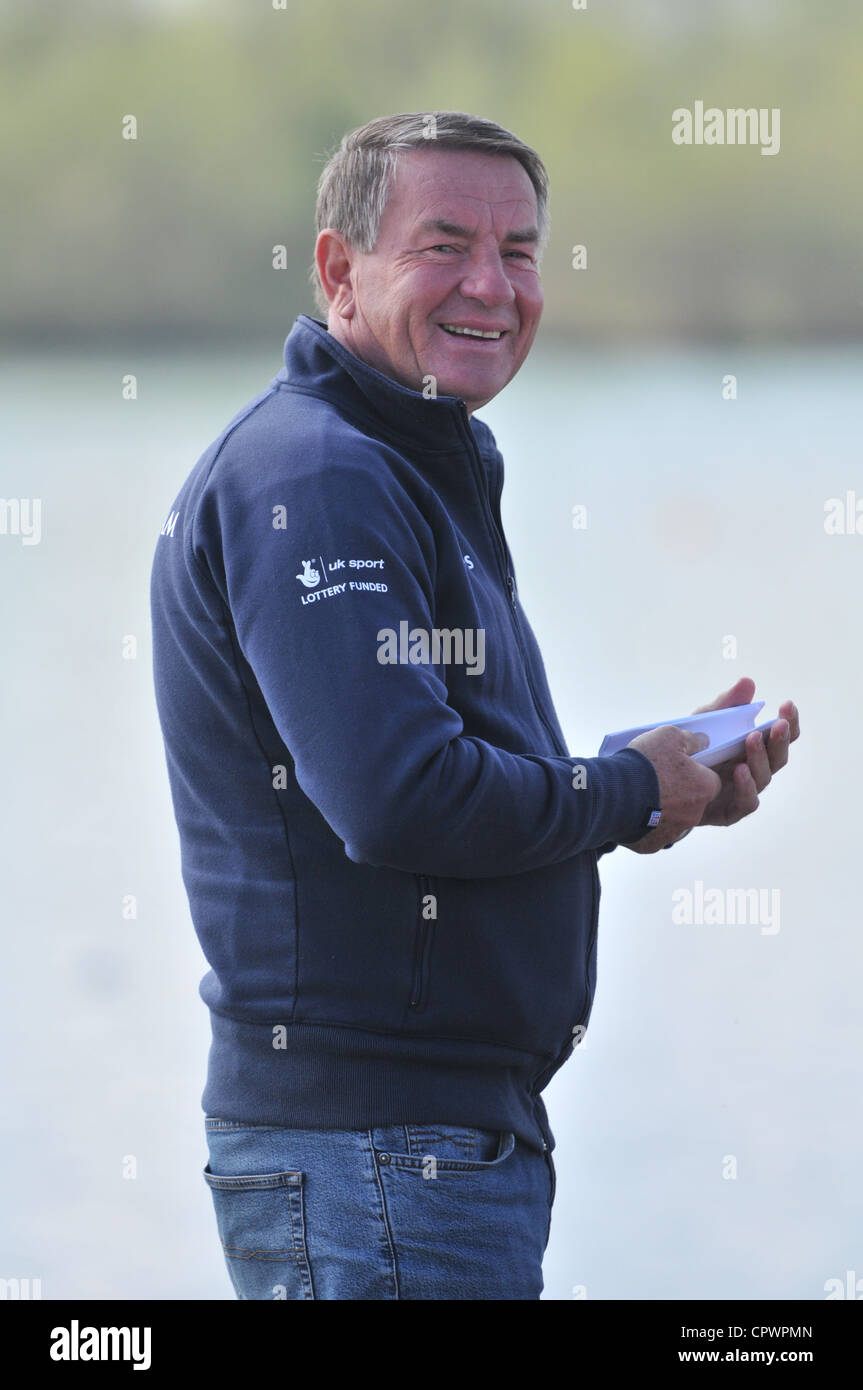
pixel 390 861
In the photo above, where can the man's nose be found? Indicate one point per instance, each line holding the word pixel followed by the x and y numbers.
pixel 486 279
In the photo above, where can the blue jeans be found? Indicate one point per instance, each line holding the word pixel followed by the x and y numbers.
pixel 404 1212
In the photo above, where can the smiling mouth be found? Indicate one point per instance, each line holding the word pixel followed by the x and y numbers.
pixel 474 335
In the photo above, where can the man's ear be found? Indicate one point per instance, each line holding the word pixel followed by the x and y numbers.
pixel 334 260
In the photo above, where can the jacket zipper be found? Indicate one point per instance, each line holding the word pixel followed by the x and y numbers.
pixel 419 984
pixel 491 507
pixel 508 578
pixel 494 507
pixel 591 943
pixel 547 1072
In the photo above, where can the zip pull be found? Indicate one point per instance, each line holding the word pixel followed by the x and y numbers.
pixel 510 584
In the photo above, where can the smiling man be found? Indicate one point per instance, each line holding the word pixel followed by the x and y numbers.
pixel 451 290
pixel 389 853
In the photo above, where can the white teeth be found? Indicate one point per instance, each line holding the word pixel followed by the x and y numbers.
pixel 472 332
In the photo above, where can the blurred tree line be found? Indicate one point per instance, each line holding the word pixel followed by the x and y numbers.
pixel 170 236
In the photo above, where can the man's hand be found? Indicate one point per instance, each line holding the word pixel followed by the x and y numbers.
pixel 741 782
pixel 686 788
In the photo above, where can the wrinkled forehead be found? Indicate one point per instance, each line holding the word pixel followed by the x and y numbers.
pixel 463 190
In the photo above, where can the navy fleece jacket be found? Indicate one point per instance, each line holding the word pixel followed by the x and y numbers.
pixel 389 854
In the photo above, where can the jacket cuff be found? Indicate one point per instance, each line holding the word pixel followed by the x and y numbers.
pixel 635 819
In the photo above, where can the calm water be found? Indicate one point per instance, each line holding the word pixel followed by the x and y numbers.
pixel 712 1049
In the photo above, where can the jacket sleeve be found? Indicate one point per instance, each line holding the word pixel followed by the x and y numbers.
pixel 376 747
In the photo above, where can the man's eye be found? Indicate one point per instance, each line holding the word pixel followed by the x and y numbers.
pixel 447 246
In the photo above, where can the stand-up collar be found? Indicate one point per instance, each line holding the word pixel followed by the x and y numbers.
pixel 317 362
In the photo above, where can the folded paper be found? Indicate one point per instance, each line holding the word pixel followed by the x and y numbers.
pixel 727 730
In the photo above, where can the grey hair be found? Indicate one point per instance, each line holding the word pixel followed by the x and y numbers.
pixel 357 180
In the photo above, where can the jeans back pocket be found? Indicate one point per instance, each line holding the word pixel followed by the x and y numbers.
pixel 261 1224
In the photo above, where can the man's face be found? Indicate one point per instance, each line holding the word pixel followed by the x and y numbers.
pixel 457 248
